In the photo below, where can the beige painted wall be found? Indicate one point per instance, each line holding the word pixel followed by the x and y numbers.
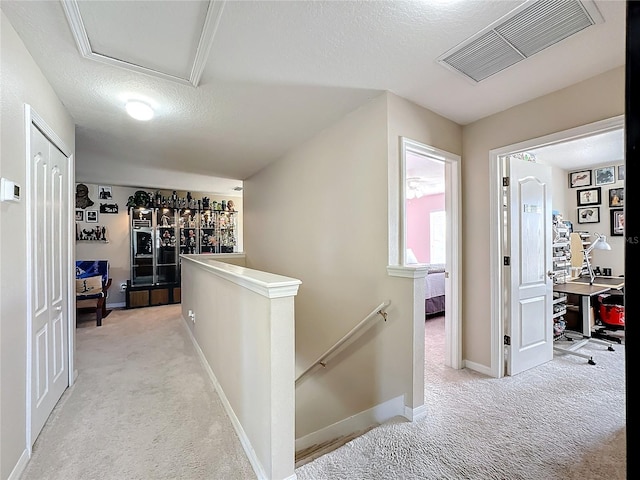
pixel 406 119
pixel 598 98
pixel 247 340
pixel 320 214
pixel 117 251
pixel 22 82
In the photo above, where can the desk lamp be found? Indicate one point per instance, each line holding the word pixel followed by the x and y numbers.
pixel 600 243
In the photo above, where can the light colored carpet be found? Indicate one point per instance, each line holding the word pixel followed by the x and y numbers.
pixel 562 420
pixel 142 408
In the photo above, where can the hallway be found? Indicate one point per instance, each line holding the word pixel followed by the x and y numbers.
pixel 142 407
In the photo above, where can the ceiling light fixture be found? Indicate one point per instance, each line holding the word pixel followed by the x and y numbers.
pixel 139 110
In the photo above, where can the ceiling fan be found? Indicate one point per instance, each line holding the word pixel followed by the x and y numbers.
pixel 418 187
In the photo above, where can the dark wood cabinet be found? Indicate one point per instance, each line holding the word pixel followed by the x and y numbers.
pixel 150 295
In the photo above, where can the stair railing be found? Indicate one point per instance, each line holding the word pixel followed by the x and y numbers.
pixel 337 347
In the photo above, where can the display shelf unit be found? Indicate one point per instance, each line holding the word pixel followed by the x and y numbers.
pixel 159 235
pixel 561 252
pixel 561 260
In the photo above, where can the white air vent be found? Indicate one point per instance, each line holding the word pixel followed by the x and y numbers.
pixel 523 32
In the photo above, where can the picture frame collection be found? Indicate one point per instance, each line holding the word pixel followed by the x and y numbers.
pixel 92 201
pixel 589 196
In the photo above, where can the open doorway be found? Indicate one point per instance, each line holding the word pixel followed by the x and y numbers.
pixel 426 244
pixel 588 149
pixel 430 233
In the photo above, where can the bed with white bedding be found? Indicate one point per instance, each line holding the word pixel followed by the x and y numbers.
pixel 434 294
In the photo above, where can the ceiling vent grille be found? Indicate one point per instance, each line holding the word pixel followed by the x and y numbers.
pixel 525 31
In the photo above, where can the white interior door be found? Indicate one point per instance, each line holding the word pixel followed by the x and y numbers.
pixel 530 328
pixel 49 270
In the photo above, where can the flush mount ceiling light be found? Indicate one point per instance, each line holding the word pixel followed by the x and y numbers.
pixel 139 110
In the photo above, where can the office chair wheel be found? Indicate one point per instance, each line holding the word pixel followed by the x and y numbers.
pixel 591 362
pixel 611 349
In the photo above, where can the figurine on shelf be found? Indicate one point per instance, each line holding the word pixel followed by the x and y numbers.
pixel 166 238
pixel 224 205
pixel 165 220
pixel 192 241
pixel 230 206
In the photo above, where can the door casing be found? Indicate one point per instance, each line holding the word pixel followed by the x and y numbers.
pixel 453 342
pixel 500 304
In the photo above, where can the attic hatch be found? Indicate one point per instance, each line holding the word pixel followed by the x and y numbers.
pixel 526 30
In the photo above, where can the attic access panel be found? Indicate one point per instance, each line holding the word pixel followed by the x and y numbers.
pixel 165 39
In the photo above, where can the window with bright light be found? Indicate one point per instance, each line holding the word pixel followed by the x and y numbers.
pixel 437 233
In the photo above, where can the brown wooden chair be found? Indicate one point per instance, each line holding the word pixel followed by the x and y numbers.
pixel 92 287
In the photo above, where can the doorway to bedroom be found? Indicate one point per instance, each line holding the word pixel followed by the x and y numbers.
pixel 431 229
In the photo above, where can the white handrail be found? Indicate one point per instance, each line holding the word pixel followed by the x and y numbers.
pixel 322 359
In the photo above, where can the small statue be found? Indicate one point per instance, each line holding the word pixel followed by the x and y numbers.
pixel 230 206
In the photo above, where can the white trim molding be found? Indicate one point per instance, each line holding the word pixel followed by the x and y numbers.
pixel 355 423
pixel 20 466
pixel 209 28
pixel 407 271
pixel 267 284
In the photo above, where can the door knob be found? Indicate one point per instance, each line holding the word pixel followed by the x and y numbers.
pixel 58 308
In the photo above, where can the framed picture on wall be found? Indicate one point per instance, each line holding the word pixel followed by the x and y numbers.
pixel 79 215
pixel 605 175
pixel 589 215
pixel 620 172
pixel 580 179
pixel 108 207
pixel 92 216
pixel 616 197
pixel 617 222
pixel 589 196
pixel 104 192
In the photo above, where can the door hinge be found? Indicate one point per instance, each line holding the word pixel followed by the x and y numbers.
pixel 506 261
pixel 505 181
pixel 507 340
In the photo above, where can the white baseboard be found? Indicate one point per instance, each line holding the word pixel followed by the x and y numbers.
pixel 414 414
pixel 355 423
pixel 20 466
pixel 117 305
pixel 244 440
pixel 476 367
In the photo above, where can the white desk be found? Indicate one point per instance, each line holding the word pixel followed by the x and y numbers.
pixel 581 288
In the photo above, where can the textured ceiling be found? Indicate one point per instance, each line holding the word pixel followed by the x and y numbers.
pixel 279 72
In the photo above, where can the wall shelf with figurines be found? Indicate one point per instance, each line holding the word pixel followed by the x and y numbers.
pixel 91 234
